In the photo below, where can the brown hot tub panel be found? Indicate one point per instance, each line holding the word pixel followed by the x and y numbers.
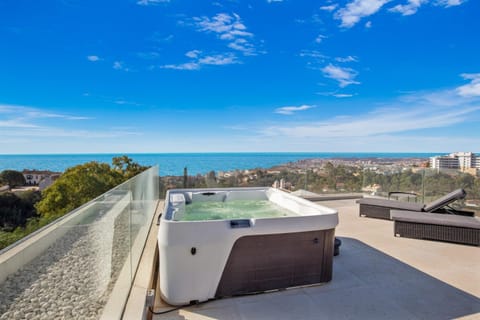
pixel 275 261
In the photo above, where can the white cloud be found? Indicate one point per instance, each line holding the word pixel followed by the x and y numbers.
pixel 56 132
pixel 320 38
pixel 225 25
pixel 313 54
pixel 126 102
pixel 193 53
pixel 377 122
pixel 25 112
pixel 379 143
pixel 404 119
pixel 408 9
pixel 161 37
pixel 346 59
pixel 16 123
pixel 342 95
pixel 344 76
pixel 471 89
pixel 243 46
pixel 449 3
pixel 271 1
pixel 182 66
pixel 200 60
pixel 358 9
pixel 119 65
pixel 218 60
pixel 329 7
pixel 15 116
pixel 292 110
pixel 228 28
pixel 355 10
pixel 93 58
pixel 150 2
pixel 30 126
pixel 335 94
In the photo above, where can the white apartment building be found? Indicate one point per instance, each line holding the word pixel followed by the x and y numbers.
pixel 456 160
pixel 34 177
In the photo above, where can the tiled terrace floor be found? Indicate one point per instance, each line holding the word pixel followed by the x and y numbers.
pixel 376 276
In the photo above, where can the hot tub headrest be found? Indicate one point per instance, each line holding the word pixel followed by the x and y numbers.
pixel 203 196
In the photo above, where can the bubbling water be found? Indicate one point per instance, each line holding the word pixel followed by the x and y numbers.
pixel 235 209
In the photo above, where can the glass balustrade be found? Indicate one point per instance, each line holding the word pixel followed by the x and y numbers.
pixel 423 185
pixel 82 265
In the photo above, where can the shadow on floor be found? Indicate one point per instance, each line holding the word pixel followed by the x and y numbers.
pixel 367 284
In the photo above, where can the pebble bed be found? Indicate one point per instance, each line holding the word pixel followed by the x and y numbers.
pixel 73 278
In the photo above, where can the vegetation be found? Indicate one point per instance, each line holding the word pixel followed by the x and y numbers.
pixel 83 183
pixel 23 213
pixel 427 184
pixel 331 178
pixel 26 212
pixel 12 178
pixel 127 167
pixel 77 186
pixel 15 209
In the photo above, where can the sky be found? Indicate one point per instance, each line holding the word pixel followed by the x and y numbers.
pixel 154 76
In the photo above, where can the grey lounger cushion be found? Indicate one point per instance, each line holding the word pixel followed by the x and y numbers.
pixel 392 204
pixel 435 218
pixel 446 199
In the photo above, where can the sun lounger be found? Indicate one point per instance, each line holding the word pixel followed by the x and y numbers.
pixel 380 208
pixel 433 226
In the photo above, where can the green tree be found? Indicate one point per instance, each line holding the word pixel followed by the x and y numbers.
pixel 12 178
pixel 331 172
pixel 15 209
pixel 211 179
pixel 77 186
pixel 465 181
pixel 127 167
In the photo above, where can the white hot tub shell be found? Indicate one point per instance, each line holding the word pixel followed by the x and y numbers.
pixel 206 259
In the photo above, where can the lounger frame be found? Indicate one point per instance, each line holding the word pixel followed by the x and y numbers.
pixel 415 230
pixel 380 208
pixel 371 211
pixel 432 226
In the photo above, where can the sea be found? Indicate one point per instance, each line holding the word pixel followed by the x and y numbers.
pixel 174 163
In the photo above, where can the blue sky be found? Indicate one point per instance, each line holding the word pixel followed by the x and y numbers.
pixel 239 76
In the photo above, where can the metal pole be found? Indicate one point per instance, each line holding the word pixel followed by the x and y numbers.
pixel 305 177
pixel 185 177
pixel 423 186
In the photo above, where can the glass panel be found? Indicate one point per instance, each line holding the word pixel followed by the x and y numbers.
pixel 83 264
pixel 323 179
pixel 424 185
pixel 438 183
pixel 401 185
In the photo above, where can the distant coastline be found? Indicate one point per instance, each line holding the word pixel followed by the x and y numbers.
pixel 197 163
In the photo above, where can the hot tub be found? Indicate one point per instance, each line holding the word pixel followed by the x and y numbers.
pixel 224 242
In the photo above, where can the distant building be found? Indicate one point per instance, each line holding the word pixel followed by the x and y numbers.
pixel 463 161
pixel 34 177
